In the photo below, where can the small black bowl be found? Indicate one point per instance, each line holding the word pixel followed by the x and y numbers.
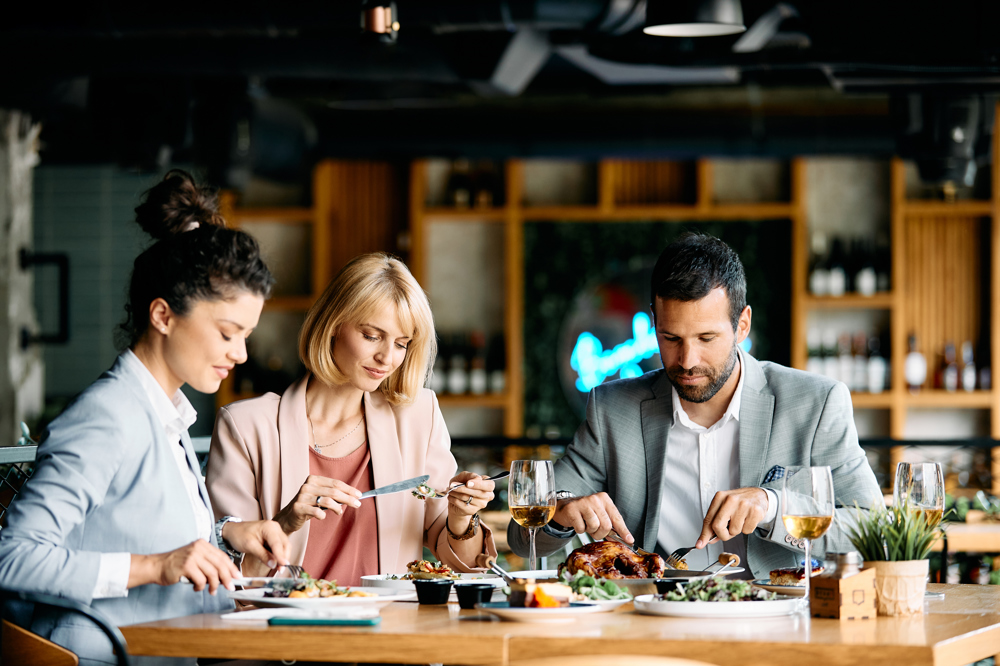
pixel 433 591
pixel 470 594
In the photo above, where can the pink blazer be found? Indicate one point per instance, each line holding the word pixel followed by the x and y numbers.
pixel 259 459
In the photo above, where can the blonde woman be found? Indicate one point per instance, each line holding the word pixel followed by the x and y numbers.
pixel 360 419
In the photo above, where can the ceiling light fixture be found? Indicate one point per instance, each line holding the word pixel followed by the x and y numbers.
pixel 693 18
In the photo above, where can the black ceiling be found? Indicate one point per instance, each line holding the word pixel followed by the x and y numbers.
pixel 122 80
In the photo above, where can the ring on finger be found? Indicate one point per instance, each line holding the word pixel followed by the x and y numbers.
pixel 318 498
pixel 468 501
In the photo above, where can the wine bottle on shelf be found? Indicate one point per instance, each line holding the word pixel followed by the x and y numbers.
pixel 478 379
pixel 819 274
pixel 459 188
pixel 860 376
pixel 985 364
pixel 865 280
pixel 814 343
pixel 883 262
pixel 877 368
pixel 489 191
pixel 968 367
pixel 915 368
pixel 846 358
pixel 831 362
pixel 949 369
pixel 496 363
pixel 458 374
pixel 838 269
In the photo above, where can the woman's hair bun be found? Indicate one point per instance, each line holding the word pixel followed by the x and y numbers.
pixel 173 205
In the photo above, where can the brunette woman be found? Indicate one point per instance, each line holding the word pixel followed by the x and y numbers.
pixel 360 419
pixel 116 513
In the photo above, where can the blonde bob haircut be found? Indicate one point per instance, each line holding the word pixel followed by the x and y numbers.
pixel 366 285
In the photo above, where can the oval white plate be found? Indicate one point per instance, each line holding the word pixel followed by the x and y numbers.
pixel 787 590
pixel 567 614
pixel 383 597
pixel 648 604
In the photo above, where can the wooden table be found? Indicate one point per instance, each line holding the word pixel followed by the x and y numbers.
pixel 971 538
pixel 961 629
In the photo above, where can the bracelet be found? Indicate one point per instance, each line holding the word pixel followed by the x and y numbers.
pixel 222 543
pixel 467 534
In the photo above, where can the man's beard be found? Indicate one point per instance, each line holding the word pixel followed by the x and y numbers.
pixel 717 378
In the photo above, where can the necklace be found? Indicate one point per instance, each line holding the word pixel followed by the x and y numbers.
pixel 317 447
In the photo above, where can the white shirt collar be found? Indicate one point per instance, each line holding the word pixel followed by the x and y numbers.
pixel 176 414
pixel 732 412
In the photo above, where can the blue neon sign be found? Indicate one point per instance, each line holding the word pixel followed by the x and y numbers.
pixel 593 364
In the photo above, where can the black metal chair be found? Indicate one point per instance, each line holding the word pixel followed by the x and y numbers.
pixel 18 607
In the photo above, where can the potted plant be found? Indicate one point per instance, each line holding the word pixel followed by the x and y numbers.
pixel 896 541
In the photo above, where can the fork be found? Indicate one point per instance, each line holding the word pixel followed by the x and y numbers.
pixel 294 570
pixel 438 495
pixel 677 557
pixel 614 536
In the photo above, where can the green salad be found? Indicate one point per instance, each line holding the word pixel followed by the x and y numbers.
pixel 595 589
pixel 713 589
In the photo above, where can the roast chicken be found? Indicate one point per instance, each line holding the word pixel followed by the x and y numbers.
pixel 610 559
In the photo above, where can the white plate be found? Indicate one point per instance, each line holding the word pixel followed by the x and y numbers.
pixel 648 604
pixel 383 580
pixel 536 574
pixel 566 614
pixel 606 605
pixel 787 590
pixel 383 597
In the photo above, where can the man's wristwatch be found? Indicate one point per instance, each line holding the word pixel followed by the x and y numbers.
pixel 223 544
pixel 555 529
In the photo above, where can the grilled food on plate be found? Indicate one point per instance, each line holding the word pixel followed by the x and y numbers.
pixel 794 575
pixel 610 559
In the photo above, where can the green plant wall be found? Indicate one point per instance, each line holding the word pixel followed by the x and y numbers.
pixel 561 257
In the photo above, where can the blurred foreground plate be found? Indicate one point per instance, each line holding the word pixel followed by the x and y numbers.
pixel 649 604
pixel 504 611
pixel 383 597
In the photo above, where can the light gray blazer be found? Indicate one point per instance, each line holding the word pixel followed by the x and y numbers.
pixel 787 417
pixel 105 481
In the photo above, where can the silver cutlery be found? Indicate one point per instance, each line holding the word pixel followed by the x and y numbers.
pixel 397 487
pixel 677 557
pixel 442 495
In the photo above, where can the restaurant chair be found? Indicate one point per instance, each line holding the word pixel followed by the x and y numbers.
pixel 18 645
pixel 610 660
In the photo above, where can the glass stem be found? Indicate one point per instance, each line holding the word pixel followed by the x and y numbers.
pixel 532 559
pixel 808 572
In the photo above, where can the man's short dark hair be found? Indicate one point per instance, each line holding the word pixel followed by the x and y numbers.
pixel 695 264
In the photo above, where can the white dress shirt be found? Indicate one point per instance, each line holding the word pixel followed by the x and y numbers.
pixel 701 462
pixel 176 416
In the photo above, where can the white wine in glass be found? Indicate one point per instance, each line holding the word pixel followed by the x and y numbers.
pixel 531 495
pixel 922 485
pixel 807 508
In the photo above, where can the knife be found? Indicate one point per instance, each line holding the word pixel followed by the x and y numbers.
pixel 397 487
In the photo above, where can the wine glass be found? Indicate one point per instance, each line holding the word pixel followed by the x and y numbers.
pixel 531 494
pixel 922 485
pixel 807 508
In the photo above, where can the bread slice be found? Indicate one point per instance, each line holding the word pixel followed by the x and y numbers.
pixel 794 575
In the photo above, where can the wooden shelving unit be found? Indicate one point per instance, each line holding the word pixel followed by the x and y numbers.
pixel 936 279
pixel 619 185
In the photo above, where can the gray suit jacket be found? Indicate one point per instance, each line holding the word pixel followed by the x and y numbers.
pixel 787 417
pixel 105 481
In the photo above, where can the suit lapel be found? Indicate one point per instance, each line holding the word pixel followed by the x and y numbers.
pixel 293 443
pixel 657 419
pixel 756 414
pixel 387 467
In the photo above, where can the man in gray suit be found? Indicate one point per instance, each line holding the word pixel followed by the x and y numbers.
pixel 693 454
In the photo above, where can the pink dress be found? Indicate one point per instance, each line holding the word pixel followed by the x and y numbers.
pixel 344 548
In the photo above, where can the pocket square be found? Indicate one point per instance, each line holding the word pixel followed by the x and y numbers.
pixel 776 473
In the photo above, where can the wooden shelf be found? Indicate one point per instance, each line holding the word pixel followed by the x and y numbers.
pixel 466 214
pixel 880 301
pixel 668 212
pixel 935 398
pixel 277 215
pixel 927 208
pixel 498 400
pixel 289 303
pixel 872 400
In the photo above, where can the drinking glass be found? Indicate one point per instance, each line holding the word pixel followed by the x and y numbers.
pixel 531 494
pixel 807 508
pixel 922 485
